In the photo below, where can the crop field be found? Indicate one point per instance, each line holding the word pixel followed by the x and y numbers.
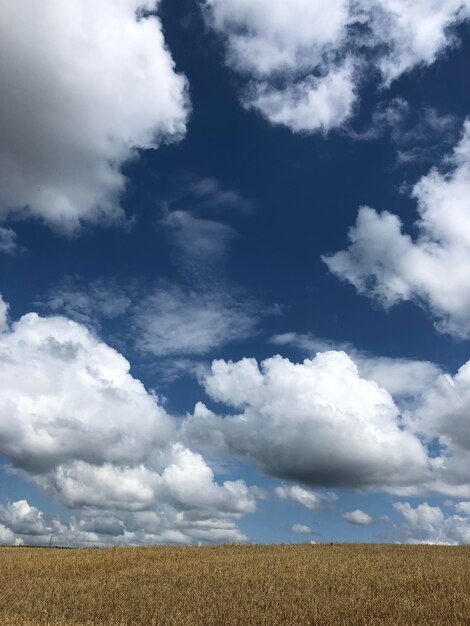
pixel 324 585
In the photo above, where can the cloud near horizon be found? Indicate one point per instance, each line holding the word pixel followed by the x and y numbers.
pixel 77 424
pixel 429 524
pixel 68 409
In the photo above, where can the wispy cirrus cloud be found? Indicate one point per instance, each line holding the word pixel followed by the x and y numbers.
pixel 163 319
pixel 418 136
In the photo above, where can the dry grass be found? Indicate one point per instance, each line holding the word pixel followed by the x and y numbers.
pixel 324 585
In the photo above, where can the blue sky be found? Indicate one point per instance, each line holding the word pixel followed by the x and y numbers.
pixel 233 250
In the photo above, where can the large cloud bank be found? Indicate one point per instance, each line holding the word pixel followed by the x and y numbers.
pixel 305 60
pixel 83 84
pixel 75 422
pixel 431 270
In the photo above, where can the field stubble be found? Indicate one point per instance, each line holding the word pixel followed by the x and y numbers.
pixel 303 585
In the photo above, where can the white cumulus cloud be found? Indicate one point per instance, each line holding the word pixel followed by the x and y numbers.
pixel 84 84
pixel 61 389
pixel 305 61
pixel 74 421
pixel 429 524
pixel 316 422
pixel 302 529
pixel 402 378
pixel 414 31
pixel 391 266
pixel 25 524
pixel 358 517
pixel 317 103
pixel 443 415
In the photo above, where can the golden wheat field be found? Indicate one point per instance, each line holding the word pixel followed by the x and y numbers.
pixel 324 585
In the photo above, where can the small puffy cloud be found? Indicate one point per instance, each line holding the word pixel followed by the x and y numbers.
pixel 316 104
pixel 75 422
pixel 305 61
pixel 316 422
pixel 390 266
pixel 180 478
pixel 428 524
pixel 301 529
pixel 266 40
pixel 84 85
pixel 358 517
pixel 293 422
pixel 310 499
